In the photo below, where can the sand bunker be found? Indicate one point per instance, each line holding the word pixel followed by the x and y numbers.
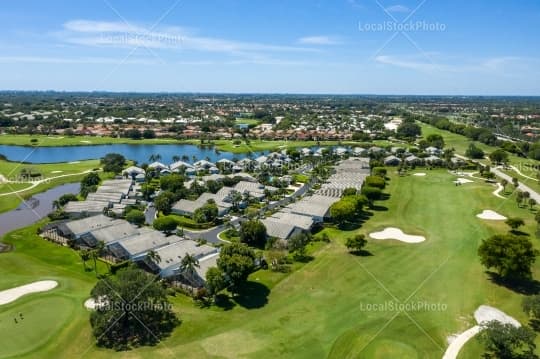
pixel 491 215
pixel 86 141
pixel 421 174
pixel 2 179
pixel 91 304
pixel 463 181
pixel 396 233
pixel 11 295
pixel 74 162
pixel 57 171
pixel 483 314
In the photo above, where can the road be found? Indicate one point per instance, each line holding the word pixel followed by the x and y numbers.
pixel 211 235
pixel 500 174
pixel 521 186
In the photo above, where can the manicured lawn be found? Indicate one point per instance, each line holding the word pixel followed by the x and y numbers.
pixel 327 307
pixel 11 170
pixel 47 141
pixel 247 121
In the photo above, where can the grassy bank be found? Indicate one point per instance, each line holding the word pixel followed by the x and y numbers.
pixel 329 307
pixel 70 172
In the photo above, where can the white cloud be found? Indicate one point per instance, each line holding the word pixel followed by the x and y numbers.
pixel 501 65
pixel 398 8
pixel 119 34
pixel 77 60
pixel 318 40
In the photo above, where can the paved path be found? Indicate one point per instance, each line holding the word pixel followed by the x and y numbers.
pixel 501 174
pixel 522 174
pixel 521 186
pixel 38 182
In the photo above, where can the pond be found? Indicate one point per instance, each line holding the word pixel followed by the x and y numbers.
pixel 140 153
pixel 34 209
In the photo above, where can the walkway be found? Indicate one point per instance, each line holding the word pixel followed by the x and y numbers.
pixel 38 182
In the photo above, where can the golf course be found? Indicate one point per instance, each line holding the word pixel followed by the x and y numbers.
pixel 397 300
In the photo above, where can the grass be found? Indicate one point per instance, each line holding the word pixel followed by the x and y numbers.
pixel 247 121
pixel 321 309
pixel 48 141
pixel 11 170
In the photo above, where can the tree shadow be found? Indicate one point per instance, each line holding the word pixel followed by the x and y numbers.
pixel 252 295
pixel 519 233
pixel 362 253
pixel 518 285
pixel 304 258
pixel 535 324
pixel 379 208
pixel 224 302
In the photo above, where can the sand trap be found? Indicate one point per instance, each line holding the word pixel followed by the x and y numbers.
pixel 463 181
pixel 483 314
pixel 11 295
pixel 421 174
pixel 74 162
pixel 2 179
pixel 491 215
pixel 397 234
pixel 91 304
pixel 86 141
pixel 57 171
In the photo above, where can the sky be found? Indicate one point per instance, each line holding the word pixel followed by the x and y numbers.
pixel 423 47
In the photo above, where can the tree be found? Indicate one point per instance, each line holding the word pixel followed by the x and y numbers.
pixel 215 282
pixel 505 341
pixel 499 156
pixel 515 223
pixel 207 213
pixel 408 130
pixel 236 261
pixel 343 211
pixel 356 243
pixel 519 198
pixel 531 306
pixel 297 244
pixel 113 162
pixel 134 311
pixel 474 152
pixel 349 192
pixel 154 256
pixel 253 233
pixel 504 183
pixel 96 253
pixel 165 224
pixel 173 183
pixel 511 256
pixel 372 193
pixel 375 181
pixel 164 201
pixel 188 266
pixel 135 217
pixel 148 133
pixel 435 140
pixel 515 182
pixel 532 203
pixel 68 197
pixel 85 256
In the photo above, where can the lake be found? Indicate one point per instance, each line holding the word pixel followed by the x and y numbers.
pixel 139 153
pixel 34 209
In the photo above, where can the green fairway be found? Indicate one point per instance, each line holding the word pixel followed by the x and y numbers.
pixel 48 141
pixel 53 174
pixel 338 305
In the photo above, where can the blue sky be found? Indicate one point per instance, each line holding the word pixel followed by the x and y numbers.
pixel 476 47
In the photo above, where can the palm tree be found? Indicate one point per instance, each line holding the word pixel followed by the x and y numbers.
pixel 85 255
pixel 188 265
pixel 194 158
pixel 152 158
pixel 504 183
pixel 154 257
pixel 56 204
pixel 96 253
pixel 176 158
pixel 185 158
